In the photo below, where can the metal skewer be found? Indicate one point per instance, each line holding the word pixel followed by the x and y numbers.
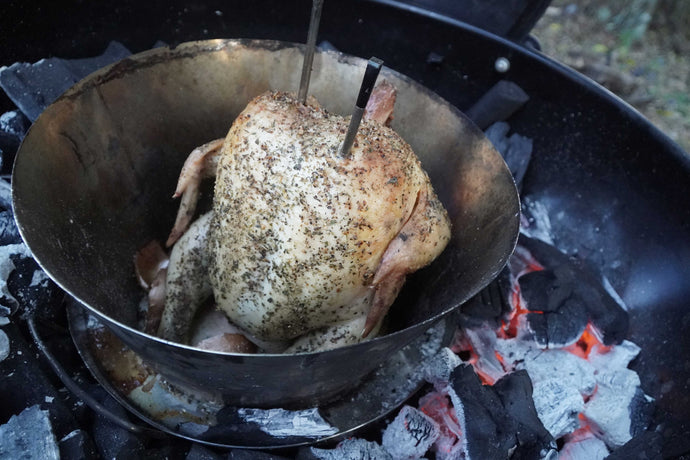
pixel 309 52
pixel 370 75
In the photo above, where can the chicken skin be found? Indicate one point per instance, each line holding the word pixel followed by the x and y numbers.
pixel 303 247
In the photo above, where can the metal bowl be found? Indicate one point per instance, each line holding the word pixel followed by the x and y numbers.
pixel 93 180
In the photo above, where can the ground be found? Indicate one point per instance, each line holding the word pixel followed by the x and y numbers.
pixel 651 72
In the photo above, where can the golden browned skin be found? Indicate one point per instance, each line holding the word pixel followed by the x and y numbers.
pixel 304 244
pixel 299 236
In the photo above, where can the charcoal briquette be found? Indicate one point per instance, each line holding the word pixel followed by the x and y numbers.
pixel 489 430
pixel 515 391
pixel 645 446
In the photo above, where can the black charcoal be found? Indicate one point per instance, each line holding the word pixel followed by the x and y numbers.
pixel 15 123
pixel 32 87
pixel 490 305
pixel 241 454
pixel 349 449
pixel 489 432
pixel 515 149
pixel 604 312
pixel 113 441
pixel 29 435
pixel 410 434
pixel 198 452
pixel 534 441
pixel 497 104
pixel 31 287
pixel 645 446
pixel 77 444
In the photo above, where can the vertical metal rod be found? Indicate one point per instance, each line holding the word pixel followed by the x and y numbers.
pixel 309 51
pixel 370 75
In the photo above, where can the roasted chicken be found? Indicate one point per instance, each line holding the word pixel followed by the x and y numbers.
pixel 304 248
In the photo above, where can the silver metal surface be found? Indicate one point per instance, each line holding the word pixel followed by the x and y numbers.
pixel 308 60
pixel 93 180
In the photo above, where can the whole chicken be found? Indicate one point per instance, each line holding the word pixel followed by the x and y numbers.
pixel 304 247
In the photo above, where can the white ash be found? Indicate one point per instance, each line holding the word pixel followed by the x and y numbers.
pixel 410 435
pixel 10 123
pixel 449 445
pixel 284 423
pixel 353 449
pixel 438 368
pixel 29 435
pixel 612 292
pixel 39 279
pixel 617 357
pixel 558 406
pixel 483 342
pixel 608 410
pixel 547 364
pixel 460 415
pixel 583 445
pixel 4 346
pixel 7 267
pixel 535 221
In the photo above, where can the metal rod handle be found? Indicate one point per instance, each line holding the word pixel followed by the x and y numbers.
pixel 370 75
pixel 309 51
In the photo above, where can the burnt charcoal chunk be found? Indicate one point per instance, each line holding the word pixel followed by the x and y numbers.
pixel 198 452
pixel 605 314
pixel 113 441
pixel 491 304
pixel 515 149
pixel 646 446
pixel 31 287
pixel 489 430
pixel 32 87
pixel 515 391
pixel 77 444
pixel 569 287
pixel 641 412
pixel 241 454
pixel 497 104
pixel 559 328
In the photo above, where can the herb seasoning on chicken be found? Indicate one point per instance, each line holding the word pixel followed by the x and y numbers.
pixel 302 246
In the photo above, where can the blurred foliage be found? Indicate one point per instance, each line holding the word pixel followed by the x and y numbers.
pixel 639 49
